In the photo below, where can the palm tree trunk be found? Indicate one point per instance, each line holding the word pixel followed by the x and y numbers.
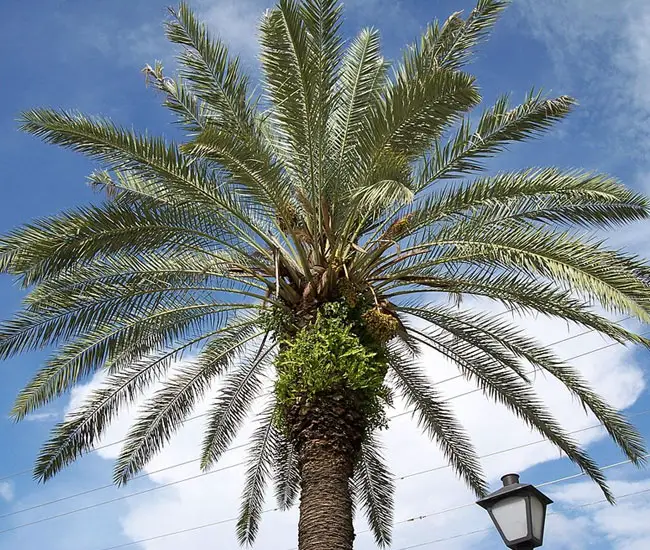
pixel 327 433
pixel 325 500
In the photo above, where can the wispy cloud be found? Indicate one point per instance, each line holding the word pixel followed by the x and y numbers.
pixel 601 48
pixel 42 417
pixel 6 491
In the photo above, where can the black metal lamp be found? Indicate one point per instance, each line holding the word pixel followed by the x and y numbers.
pixel 518 512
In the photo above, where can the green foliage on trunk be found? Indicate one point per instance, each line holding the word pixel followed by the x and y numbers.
pixel 327 357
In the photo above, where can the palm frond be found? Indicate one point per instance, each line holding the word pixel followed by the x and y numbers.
pixel 362 76
pixel 507 388
pixel 549 196
pixel 286 474
pixel 374 488
pixel 415 110
pixel 437 419
pixel 131 339
pixel 452 44
pixel 160 164
pixel 513 339
pixel 260 462
pixel 498 126
pixel 166 410
pixel 580 264
pixel 521 294
pixel 215 77
pixel 291 81
pixel 233 403
pixel 85 426
pixel 192 114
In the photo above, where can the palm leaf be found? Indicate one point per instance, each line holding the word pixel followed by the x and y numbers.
pixel 437 420
pixel 165 412
pixel 507 388
pixel 86 425
pixel 260 463
pixel 286 474
pixel 374 488
pixel 230 409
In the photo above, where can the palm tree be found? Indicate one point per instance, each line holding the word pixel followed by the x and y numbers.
pixel 322 233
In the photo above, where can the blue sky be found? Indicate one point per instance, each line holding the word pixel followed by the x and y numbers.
pixel 88 56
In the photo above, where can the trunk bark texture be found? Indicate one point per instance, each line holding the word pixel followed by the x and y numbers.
pixel 327 433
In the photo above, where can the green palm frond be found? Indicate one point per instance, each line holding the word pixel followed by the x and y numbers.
pixel 546 195
pixel 498 126
pixel 86 425
pixel 291 83
pixel 82 357
pixel 415 110
pixel 437 419
pixel 233 403
pixel 192 114
pixel 581 264
pixel 214 76
pixel 44 248
pixel 467 326
pixel 166 410
pixel 506 387
pixel 452 44
pixel 520 293
pixel 363 75
pixel 258 473
pixel 286 473
pixel 374 489
pixel 173 175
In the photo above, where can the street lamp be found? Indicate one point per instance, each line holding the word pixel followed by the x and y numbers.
pixel 518 512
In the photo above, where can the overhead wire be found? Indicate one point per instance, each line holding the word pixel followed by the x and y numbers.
pixel 203 474
pixel 443 381
pixel 486 529
pixel 234 519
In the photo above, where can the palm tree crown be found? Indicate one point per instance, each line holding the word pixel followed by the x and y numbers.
pixel 321 232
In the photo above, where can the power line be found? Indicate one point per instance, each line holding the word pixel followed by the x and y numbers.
pixel 233 520
pixel 509 449
pixel 470 504
pixel 117 499
pixel 456 377
pixel 123 497
pixel 109 485
pixel 182 531
pixel 485 530
pixel 231 466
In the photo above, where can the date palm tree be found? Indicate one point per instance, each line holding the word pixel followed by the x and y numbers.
pixel 322 233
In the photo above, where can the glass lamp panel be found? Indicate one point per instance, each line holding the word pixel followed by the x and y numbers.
pixel 537 511
pixel 510 515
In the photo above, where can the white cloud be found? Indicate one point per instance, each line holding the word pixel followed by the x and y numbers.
pixel 6 491
pixel 236 22
pixel 624 526
pixel 41 417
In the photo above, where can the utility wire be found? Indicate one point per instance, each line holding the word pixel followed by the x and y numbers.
pixel 485 530
pixel 196 417
pixel 469 392
pixel 231 466
pixel 470 504
pixel 233 520
pixel 123 497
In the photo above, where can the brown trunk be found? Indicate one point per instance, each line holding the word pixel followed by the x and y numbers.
pixel 325 501
pixel 327 433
